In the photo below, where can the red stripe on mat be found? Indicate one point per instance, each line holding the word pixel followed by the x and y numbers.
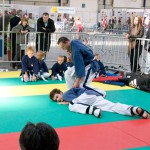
pixel 110 136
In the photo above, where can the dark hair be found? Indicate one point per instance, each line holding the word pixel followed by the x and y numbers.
pixel 65 58
pixel 45 14
pixel 39 136
pixel 139 25
pixel 53 92
pixel 62 40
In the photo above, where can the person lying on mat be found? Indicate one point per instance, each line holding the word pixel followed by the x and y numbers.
pixel 40 136
pixel 86 101
pixel 29 64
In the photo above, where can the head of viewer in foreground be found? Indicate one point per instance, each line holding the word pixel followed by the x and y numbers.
pixel 40 136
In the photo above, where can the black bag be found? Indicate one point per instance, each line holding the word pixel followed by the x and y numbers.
pixel 139 81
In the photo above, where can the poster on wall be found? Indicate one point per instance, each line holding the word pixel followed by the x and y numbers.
pixel 63 10
pixel 66 10
pixel 6 7
pixel 127 3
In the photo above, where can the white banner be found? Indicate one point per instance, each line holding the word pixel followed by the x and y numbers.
pixel 59 25
pixel 127 3
pixel 66 10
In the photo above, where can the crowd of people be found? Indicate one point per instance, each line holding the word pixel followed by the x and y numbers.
pixel 18 23
pixel 114 23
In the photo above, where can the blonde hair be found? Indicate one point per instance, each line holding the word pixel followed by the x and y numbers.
pixel 41 53
pixel 24 19
pixel 60 56
pixel 77 18
pixel 30 48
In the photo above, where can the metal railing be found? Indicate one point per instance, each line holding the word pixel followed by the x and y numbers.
pixel 113 49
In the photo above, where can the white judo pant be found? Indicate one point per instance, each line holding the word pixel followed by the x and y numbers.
pixel 147 67
pixel 81 104
pixel 70 77
pixel 45 75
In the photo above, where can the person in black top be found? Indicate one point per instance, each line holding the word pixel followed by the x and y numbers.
pixel 13 22
pixel 45 25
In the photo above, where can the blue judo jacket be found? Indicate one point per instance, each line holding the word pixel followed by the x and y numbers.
pixel 82 56
pixel 73 93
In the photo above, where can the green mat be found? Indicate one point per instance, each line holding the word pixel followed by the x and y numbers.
pixel 18 82
pixel 15 112
pixel 140 148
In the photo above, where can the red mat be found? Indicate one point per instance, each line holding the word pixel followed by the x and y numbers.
pixel 110 136
pixel 108 78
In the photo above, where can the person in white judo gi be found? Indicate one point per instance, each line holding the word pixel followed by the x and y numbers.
pixel 86 101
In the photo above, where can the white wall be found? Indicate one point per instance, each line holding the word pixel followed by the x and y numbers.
pixel 88 14
pixel 35 2
pixel 127 3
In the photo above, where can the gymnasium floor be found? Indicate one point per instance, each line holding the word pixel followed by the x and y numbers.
pixel 23 102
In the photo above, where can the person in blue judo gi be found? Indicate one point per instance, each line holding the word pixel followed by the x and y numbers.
pixel 85 66
pixel 86 101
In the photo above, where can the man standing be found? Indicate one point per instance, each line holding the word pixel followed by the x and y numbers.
pixel 14 21
pixel 83 71
pixel 45 25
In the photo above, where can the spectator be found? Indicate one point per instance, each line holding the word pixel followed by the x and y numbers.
pixel 65 21
pixel 6 21
pixel 104 23
pixel 21 30
pixel 135 47
pixel 147 48
pixel 71 21
pixel 40 136
pixel 13 22
pixel 45 25
pixel 78 24
pixel 128 21
pixel 59 17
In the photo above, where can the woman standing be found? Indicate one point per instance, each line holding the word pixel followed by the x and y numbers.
pixel 21 31
pixel 135 47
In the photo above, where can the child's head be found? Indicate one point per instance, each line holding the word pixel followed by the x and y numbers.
pixel 97 56
pixel 24 21
pixel 56 95
pixel 65 58
pixel 30 51
pixel 69 59
pixel 40 55
pixel 60 59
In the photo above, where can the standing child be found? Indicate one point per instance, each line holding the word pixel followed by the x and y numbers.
pixel 29 64
pixel 85 101
pixel 58 69
pixel 43 70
